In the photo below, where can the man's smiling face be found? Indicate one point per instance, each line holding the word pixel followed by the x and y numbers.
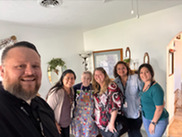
pixel 21 72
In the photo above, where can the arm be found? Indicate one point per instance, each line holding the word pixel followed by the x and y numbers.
pixel 52 100
pixel 58 128
pixel 157 114
pixel 112 121
pixel 158 96
pixel 115 104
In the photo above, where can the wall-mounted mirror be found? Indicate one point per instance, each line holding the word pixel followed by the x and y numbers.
pixel 128 53
pixel 127 56
pixel 171 61
pixel 146 58
pixel 55 68
pixel 54 75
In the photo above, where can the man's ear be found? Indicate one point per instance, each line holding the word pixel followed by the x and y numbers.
pixel 1 71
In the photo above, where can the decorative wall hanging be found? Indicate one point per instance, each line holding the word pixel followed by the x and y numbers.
pixel 85 55
pixel 146 58
pixel 7 42
pixel 171 61
pixel 127 56
pixel 54 63
pixel 55 68
pixel 107 59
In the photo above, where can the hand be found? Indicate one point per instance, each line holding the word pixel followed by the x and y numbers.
pixel 58 128
pixel 151 128
pixel 111 127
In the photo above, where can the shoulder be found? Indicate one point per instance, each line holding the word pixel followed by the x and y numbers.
pixel 157 86
pixel 77 86
pixel 41 103
pixel 43 107
pixel 133 77
pixel 157 89
pixel 117 79
pixel 112 85
pixel 56 93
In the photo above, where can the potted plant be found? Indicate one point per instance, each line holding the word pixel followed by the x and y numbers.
pixel 54 63
pixel 127 60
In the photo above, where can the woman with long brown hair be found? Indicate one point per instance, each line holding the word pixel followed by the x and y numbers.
pixel 130 85
pixel 107 97
pixel 61 99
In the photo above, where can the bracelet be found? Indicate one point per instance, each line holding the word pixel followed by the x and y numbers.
pixel 154 123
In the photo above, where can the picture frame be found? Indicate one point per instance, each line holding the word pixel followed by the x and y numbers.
pixel 107 59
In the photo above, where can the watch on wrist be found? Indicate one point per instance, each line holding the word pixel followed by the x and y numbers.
pixel 154 123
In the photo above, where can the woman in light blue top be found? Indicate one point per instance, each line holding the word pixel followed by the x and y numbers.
pixel 130 85
pixel 155 116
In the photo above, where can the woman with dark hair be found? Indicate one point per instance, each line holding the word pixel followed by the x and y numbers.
pixel 130 85
pixel 60 98
pixel 107 97
pixel 155 116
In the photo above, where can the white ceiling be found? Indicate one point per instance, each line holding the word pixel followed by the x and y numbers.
pixel 79 14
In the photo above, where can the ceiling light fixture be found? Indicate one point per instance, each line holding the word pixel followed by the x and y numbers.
pixel 136 6
pixel 137 10
pixel 132 10
pixel 50 3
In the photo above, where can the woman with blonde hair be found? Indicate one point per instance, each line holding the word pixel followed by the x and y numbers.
pixel 108 100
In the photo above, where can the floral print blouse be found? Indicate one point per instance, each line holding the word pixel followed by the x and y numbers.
pixel 106 103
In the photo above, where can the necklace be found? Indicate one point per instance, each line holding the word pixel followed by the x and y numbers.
pixel 146 88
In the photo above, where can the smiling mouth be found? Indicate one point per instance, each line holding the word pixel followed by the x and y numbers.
pixel 28 79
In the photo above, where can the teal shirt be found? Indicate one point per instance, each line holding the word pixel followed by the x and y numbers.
pixel 154 96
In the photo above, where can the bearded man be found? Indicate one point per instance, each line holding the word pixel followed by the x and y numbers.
pixel 22 113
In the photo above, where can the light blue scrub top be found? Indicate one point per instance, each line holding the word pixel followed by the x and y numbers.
pixel 133 87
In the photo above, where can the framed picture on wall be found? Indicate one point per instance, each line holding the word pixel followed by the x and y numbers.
pixel 107 59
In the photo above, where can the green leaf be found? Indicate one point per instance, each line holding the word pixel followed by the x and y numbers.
pixel 54 63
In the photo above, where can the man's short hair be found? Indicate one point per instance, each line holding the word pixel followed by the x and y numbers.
pixel 18 44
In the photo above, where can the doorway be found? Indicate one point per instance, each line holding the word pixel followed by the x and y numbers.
pixel 174 85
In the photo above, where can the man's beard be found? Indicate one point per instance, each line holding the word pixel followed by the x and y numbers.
pixel 18 91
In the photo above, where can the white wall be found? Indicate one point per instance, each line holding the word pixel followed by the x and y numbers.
pixel 178 64
pixel 150 33
pixel 170 84
pixel 50 43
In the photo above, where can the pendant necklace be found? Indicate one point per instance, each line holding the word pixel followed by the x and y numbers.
pixel 148 86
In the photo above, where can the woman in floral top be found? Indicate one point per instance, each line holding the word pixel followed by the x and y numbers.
pixel 107 97
pixel 82 124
